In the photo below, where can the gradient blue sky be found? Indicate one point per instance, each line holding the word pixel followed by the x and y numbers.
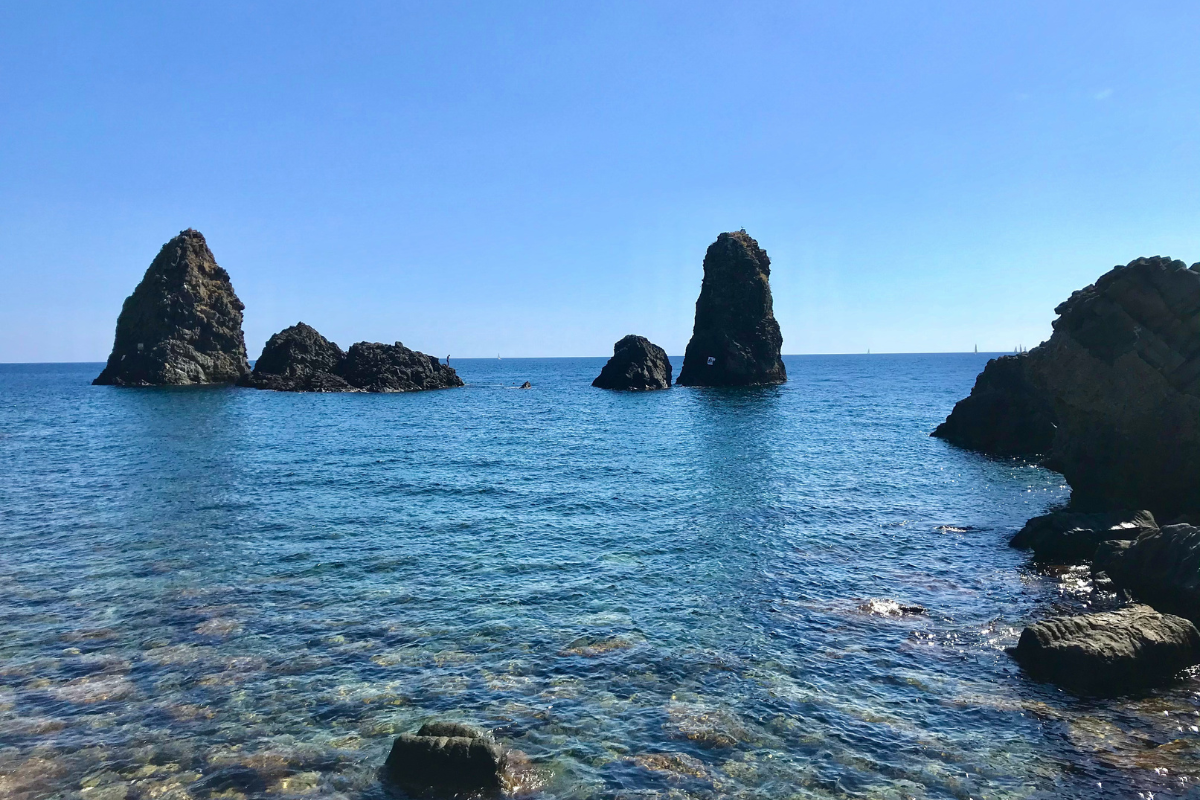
pixel 540 179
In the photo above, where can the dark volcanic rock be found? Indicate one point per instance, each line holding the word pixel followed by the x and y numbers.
pixel 1004 414
pixel 736 340
pixel 298 359
pixel 1110 651
pixel 446 756
pixel 375 367
pixel 526 385
pixel 1120 377
pixel 637 363
pixel 1064 536
pixel 182 324
pixel 1161 568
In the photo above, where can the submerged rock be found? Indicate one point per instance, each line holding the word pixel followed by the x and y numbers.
pixel 736 340
pixel 182 324
pixel 1159 567
pixel 1111 651
pixel 1119 381
pixel 1064 536
pixel 447 755
pixel 299 359
pixel 636 364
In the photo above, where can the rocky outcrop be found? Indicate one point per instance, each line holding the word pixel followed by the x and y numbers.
pixel 1065 537
pixel 736 340
pixel 298 359
pixel 446 756
pixel 1111 651
pixel 182 324
pixel 1119 381
pixel 1160 567
pixel 637 364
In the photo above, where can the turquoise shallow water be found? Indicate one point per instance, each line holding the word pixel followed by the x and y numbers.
pixel 226 593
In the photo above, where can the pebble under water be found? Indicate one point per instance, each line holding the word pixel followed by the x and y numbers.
pixel 220 592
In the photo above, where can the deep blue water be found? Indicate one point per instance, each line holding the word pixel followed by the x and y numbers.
pixel 227 592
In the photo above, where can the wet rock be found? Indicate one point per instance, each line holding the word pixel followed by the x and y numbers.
pixel 1119 380
pixel 636 364
pixel 1067 537
pixel 736 340
pixel 447 755
pixel 1109 652
pixel 298 359
pixel 182 324
pixel 890 608
pixel 375 367
pixel 1161 568
pixel 526 385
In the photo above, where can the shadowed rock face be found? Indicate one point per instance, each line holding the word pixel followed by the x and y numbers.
pixel 298 359
pixel 1119 381
pixel 446 756
pixel 1111 651
pixel 736 340
pixel 637 364
pixel 1160 567
pixel 1064 537
pixel 182 324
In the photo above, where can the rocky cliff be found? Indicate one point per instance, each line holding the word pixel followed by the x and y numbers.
pixel 299 359
pixel 736 340
pixel 1112 399
pixel 181 325
pixel 636 364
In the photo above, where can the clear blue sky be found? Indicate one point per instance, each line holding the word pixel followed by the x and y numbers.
pixel 540 179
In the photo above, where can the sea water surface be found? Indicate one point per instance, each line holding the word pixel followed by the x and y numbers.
pixel 220 592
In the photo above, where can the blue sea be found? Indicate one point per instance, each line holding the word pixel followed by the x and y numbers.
pixel 221 592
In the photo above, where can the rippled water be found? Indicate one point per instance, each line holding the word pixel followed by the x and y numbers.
pixel 226 593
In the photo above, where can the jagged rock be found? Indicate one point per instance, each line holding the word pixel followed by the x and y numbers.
pixel 526 385
pixel 736 340
pixel 1161 568
pixel 1109 651
pixel 298 359
pixel 636 364
pixel 375 367
pixel 1063 536
pixel 446 755
pixel 182 324
pixel 1004 414
pixel 1119 380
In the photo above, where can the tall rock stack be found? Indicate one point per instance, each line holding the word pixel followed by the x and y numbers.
pixel 736 340
pixel 1112 399
pixel 182 324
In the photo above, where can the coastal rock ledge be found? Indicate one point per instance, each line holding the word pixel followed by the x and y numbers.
pixel 1111 651
pixel 736 340
pixel 637 364
pixel 1111 399
pixel 182 324
pixel 299 359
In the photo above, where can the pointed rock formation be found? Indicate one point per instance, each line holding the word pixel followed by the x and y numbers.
pixel 182 324
pixel 298 359
pixel 1112 398
pixel 636 364
pixel 736 340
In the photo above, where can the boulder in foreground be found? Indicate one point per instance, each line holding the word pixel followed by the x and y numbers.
pixel 1161 568
pixel 1111 651
pixel 1066 537
pixel 637 364
pixel 736 340
pixel 182 324
pixel 299 359
pixel 449 756
pixel 1112 399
